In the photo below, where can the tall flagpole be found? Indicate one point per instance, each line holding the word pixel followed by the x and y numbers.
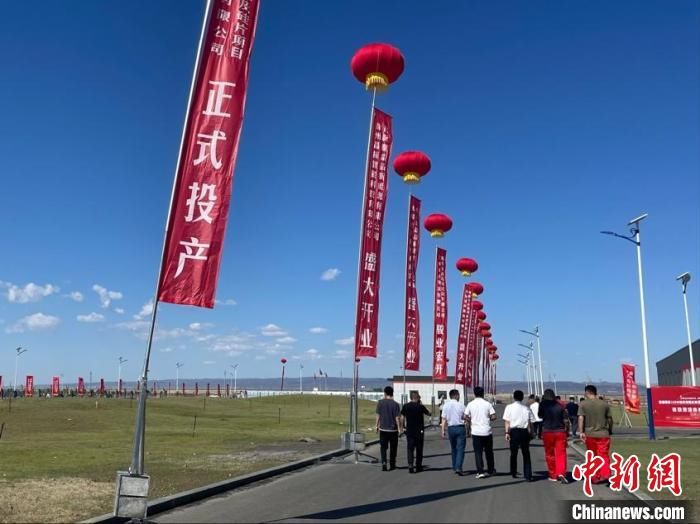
pixel 353 400
pixel 137 457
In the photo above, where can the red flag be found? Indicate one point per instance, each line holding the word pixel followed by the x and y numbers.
pixel 630 390
pixel 440 318
pixel 81 386
pixel 376 188
pixel 202 187
pixel 462 339
pixel 411 361
pixel 29 386
pixel 55 387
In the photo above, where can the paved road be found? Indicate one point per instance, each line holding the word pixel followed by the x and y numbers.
pixel 348 492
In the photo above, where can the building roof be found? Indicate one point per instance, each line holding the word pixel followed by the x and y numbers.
pixel 681 353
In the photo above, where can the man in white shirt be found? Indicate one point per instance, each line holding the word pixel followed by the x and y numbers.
pixel 518 419
pixel 479 414
pixel 453 427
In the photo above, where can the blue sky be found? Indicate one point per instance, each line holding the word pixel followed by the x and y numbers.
pixel 546 123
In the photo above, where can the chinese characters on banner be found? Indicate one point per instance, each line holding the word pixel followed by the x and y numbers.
pixel 676 406
pixel 471 349
pixel 631 392
pixel 376 187
pixel 29 386
pixel 204 177
pixel 412 329
pixel 81 386
pixel 55 387
pixel 461 366
pixel 440 309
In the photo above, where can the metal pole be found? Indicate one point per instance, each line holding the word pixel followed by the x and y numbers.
pixel 137 459
pixel 301 387
pixel 690 340
pixel 353 394
pixel 652 432
pixel 14 383
pixel 539 357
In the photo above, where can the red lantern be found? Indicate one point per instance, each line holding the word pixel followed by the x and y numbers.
pixel 283 360
pixel 481 315
pixel 412 165
pixel 438 224
pixel 485 333
pixel 475 289
pixel 477 305
pixel 492 349
pixel 488 342
pixel 493 356
pixel 467 266
pixel 377 65
pixel 484 325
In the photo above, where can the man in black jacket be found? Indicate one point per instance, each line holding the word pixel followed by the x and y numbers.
pixel 413 423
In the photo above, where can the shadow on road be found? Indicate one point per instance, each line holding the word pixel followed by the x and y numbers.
pixel 354 511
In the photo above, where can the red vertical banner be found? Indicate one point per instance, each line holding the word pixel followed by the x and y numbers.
pixel 202 188
pixel 471 349
pixel 630 389
pixel 81 386
pixel 55 387
pixel 102 386
pixel 196 389
pixel 183 388
pixel 411 361
pixel 462 339
pixel 376 188
pixel 29 386
pixel 440 317
pixel 208 390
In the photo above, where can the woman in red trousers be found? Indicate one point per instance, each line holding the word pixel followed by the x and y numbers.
pixel 555 428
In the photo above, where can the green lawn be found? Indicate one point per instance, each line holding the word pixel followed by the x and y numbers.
pixel 48 444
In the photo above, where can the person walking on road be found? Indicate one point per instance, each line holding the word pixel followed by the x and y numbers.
pixel 389 427
pixel 534 403
pixel 595 424
pixel 479 414
pixel 518 419
pixel 572 410
pixel 454 429
pixel 555 430
pixel 412 419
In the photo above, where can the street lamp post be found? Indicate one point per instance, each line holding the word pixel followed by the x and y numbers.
pixel 635 239
pixel 536 334
pixel 178 365
pixel 19 351
pixel 301 388
pixel 235 378
pixel 119 376
pixel 533 366
pixel 685 278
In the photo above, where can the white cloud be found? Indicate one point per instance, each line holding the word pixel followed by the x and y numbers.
pixel 29 293
pixel 92 317
pixel 349 341
pixel 237 342
pixel 342 353
pixel 318 330
pixel 33 322
pixel 119 311
pixel 273 330
pixel 166 350
pixel 226 302
pixel 106 296
pixel 76 295
pixel 313 353
pixel 194 326
pixel 330 274
pixel 146 311
pixel 286 340
pixel 209 362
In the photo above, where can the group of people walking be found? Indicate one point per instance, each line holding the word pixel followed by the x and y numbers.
pixel 550 419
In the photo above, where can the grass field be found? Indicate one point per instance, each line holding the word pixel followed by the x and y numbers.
pixel 59 457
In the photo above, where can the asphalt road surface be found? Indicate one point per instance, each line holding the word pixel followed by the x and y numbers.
pixel 347 492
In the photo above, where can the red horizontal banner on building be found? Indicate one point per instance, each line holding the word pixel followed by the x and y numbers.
pixel 676 406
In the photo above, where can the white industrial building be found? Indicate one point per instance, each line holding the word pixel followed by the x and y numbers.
pixel 425 387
